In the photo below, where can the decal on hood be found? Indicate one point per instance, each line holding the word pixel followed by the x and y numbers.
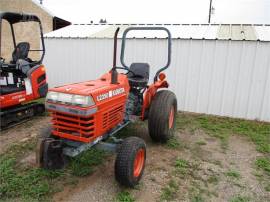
pixel 110 94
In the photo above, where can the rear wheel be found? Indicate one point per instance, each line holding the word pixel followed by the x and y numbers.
pixel 130 161
pixel 162 115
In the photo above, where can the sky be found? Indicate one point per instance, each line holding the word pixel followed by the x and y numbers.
pixel 161 11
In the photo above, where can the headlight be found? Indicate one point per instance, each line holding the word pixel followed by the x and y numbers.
pixel 82 100
pixel 52 96
pixel 70 99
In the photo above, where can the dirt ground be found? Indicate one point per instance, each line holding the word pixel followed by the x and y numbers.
pixel 209 160
pixel 210 173
pixel 22 132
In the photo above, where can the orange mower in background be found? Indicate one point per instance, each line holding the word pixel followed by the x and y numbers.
pixel 86 114
pixel 22 80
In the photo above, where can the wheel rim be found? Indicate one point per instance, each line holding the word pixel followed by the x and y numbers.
pixel 171 118
pixel 138 163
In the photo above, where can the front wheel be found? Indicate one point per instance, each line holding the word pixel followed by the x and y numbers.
pixel 49 151
pixel 130 161
pixel 162 116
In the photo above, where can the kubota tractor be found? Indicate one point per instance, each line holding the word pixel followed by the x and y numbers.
pixel 22 79
pixel 85 114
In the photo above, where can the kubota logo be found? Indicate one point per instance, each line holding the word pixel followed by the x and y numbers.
pixel 109 94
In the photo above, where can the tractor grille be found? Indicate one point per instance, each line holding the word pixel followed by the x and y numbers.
pixel 112 117
pixel 73 125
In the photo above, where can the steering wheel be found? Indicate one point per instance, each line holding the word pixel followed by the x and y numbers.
pixel 128 70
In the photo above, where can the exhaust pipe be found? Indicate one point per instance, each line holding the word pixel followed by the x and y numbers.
pixel 114 73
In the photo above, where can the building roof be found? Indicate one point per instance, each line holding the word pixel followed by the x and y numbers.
pixel 251 32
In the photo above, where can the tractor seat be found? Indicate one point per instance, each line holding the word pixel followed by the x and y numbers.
pixel 21 51
pixel 140 75
pixel 4 90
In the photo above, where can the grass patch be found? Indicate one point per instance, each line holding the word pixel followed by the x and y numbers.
pixel 28 184
pixel 267 187
pixel 233 174
pixel 84 164
pixel 240 199
pixel 264 164
pixel 181 163
pixel 174 143
pixel 181 166
pixel 25 183
pixel 124 196
pixel 197 198
pixel 168 192
pixel 222 128
pixel 129 130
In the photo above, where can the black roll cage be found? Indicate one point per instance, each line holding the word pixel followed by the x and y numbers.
pixel 13 18
pixel 122 56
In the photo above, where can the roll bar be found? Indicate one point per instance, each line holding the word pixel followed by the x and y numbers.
pixel 122 57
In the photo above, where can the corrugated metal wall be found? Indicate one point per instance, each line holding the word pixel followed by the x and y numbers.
pixel 227 78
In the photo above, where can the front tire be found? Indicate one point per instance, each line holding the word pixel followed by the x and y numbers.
pixel 162 116
pixel 130 161
pixel 43 135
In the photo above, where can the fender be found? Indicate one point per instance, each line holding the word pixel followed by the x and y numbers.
pixel 38 79
pixel 151 92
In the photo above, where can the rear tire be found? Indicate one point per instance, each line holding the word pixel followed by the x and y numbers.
pixel 130 161
pixel 162 116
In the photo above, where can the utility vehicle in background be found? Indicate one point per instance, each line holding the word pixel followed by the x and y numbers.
pixel 22 80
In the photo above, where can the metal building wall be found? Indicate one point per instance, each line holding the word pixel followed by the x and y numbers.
pixel 220 77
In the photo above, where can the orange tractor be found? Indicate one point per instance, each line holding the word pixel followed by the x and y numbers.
pixel 22 80
pixel 85 114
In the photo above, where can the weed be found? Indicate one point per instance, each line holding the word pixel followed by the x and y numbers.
pixel 169 191
pixel 181 167
pixel 181 163
pixel 213 179
pixel 233 173
pixel 240 199
pixel 124 196
pixel 263 163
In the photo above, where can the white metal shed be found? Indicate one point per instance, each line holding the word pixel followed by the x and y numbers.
pixel 216 69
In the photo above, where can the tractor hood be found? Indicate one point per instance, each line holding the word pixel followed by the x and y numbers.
pixel 99 89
